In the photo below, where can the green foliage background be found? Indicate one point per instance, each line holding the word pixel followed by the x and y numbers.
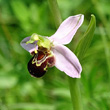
pixel 20 91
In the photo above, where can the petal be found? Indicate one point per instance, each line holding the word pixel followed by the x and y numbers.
pixel 67 61
pixel 29 47
pixel 67 29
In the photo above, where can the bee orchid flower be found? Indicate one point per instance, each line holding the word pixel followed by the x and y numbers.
pixel 50 51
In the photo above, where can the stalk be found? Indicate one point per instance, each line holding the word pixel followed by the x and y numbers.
pixel 75 93
pixel 73 82
pixel 55 12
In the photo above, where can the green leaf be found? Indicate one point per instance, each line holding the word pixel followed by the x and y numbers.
pixel 86 39
pixel 22 13
pixel 20 10
pixel 31 106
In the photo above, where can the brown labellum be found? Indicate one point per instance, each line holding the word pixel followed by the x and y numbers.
pixel 39 63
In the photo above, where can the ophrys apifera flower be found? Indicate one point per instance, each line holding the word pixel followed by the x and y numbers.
pixel 50 51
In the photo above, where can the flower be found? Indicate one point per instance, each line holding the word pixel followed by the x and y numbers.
pixel 50 51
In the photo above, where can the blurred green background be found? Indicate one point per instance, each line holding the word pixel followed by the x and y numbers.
pixel 20 91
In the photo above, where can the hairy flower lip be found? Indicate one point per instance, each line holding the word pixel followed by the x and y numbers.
pixel 34 70
pixel 65 60
pixel 39 63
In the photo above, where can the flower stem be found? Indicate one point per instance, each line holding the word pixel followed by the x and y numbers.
pixel 73 82
pixel 75 93
pixel 55 12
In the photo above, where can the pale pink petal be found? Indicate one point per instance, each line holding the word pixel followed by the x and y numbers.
pixel 67 61
pixel 67 29
pixel 29 47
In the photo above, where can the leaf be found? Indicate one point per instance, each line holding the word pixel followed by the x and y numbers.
pixel 85 42
pixel 22 13
pixel 20 10
pixel 31 106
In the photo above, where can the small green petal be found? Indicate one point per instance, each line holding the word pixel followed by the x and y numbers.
pixel 33 38
pixel 41 41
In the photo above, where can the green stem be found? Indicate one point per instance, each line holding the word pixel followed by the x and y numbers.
pixel 73 82
pixel 55 12
pixel 75 93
